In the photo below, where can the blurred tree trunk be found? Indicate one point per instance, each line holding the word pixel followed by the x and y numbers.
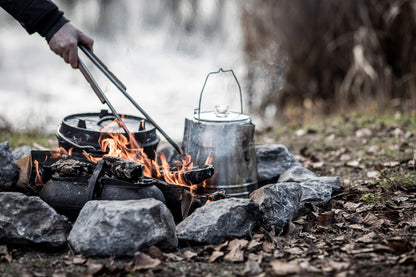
pixel 335 54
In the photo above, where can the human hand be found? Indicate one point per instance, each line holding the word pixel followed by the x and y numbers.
pixel 65 43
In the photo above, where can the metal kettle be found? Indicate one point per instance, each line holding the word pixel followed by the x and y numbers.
pixel 228 138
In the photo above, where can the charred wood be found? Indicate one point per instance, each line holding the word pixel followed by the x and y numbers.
pixel 124 169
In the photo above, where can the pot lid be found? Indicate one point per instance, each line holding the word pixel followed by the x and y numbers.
pixel 221 114
pixel 103 122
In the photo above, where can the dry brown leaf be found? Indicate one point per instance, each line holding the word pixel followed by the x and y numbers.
pixel 351 206
pixel 326 218
pixel 355 164
pixel 372 220
pixel 348 248
pixel 400 246
pixel 251 268
pixel 285 268
pixel 364 132
pixel 173 257
pixel 373 149
pixel 236 253
pixel 368 238
pixel 258 236
pixel 373 174
pixel 391 164
pixel 410 223
pixel 237 243
pixel 268 246
pixel 255 257
pixel 358 227
pixel 317 165
pixel 4 253
pixel 221 246
pixel 365 208
pixel 143 261
pixel 302 220
pixel 189 255
pixel 294 251
pixel 215 255
pixel 292 230
pixel 338 266
pixel 253 244
pixel 156 253
pixel 78 260
pixel 339 238
pixel 94 268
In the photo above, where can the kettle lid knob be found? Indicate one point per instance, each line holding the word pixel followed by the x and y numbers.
pixel 221 110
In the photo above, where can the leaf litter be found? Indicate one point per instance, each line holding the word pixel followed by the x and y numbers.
pixel 367 229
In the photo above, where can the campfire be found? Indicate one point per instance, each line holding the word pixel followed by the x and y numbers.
pixel 120 170
pixel 112 155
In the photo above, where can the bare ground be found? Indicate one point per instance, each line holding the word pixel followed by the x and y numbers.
pixel 367 229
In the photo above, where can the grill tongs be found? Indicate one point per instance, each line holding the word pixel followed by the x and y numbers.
pixel 88 76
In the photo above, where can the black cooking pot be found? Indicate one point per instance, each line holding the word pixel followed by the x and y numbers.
pixel 69 195
pixel 82 132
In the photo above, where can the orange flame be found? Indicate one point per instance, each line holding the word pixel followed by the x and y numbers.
pixel 118 145
pixel 38 181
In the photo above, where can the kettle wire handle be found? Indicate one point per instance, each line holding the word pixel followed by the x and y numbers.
pixel 206 79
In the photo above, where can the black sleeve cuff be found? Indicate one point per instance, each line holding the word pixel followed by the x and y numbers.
pixel 61 22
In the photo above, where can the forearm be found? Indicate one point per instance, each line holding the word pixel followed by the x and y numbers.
pixel 41 16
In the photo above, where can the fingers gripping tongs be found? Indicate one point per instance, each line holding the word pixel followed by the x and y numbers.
pixel 97 62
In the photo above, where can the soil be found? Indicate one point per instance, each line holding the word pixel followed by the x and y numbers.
pixel 367 229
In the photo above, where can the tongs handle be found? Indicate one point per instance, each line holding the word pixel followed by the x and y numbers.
pixel 121 87
pixel 88 76
pixel 91 80
pixel 98 63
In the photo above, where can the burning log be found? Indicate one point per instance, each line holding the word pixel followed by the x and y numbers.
pixel 72 167
pixel 123 169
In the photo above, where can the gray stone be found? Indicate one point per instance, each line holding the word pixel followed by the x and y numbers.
pixel 300 174
pixel 29 220
pixel 272 161
pixel 315 190
pixel 217 220
pixel 9 170
pixel 21 151
pixel 105 228
pixel 278 203
pixel 296 174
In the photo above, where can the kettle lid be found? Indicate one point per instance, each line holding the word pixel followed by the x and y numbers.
pixel 221 114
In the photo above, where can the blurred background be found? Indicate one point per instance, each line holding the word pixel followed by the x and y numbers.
pixel 295 59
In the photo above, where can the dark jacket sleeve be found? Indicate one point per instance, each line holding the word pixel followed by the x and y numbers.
pixel 41 16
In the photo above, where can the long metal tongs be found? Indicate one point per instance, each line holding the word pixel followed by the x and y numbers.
pixel 97 62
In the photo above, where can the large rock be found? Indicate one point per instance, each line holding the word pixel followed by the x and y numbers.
pixel 297 174
pixel 272 161
pixel 9 170
pixel 29 220
pixel 105 228
pixel 300 174
pixel 315 190
pixel 278 203
pixel 217 220
pixel 21 151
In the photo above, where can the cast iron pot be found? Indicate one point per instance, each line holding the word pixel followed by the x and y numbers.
pixel 82 132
